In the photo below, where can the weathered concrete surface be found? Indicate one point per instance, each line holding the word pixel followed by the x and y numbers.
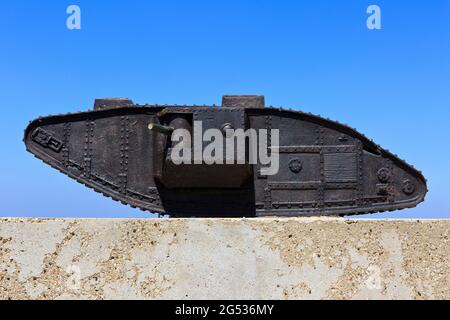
pixel 224 258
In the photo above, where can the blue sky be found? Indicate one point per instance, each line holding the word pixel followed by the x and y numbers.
pixel 317 56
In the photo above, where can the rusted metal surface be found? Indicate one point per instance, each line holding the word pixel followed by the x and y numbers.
pixel 326 168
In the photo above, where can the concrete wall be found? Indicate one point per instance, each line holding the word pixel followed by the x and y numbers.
pixel 224 258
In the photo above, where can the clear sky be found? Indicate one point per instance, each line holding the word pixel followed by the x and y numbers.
pixel 391 84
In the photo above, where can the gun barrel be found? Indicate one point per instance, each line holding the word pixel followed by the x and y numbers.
pixel 160 128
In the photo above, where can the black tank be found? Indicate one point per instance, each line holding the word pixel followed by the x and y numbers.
pixel 122 150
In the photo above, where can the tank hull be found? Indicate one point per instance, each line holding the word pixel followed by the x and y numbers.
pixel 325 168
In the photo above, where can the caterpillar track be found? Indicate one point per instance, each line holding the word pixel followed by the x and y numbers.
pixel 325 168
